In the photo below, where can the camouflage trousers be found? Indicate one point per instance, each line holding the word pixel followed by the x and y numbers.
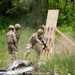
pixel 13 52
pixel 28 49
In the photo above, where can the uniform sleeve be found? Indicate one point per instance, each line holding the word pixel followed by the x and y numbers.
pixel 38 40
pixel 17 34
pixel 15 40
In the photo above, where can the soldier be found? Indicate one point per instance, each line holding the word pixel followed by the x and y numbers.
pixel 12 43
pixel 32 42
pixel 17 27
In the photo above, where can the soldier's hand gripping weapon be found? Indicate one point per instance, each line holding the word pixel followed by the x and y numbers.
pixel 43 43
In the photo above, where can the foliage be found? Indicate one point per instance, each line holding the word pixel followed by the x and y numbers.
pixel 4 22
pixel 3 48
pixel 35 11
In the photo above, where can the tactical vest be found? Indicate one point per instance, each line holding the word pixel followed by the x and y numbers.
pixel 9 38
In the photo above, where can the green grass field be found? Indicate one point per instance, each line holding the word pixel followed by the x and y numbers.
pixel 61 61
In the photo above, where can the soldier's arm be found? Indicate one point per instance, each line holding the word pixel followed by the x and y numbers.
pixel 38 40
pixel 17 35
pixel 15 40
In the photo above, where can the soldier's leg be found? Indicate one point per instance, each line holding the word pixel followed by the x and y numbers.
pixel 10 54
pixel 28 47
pixel 14 53
pixel 12 58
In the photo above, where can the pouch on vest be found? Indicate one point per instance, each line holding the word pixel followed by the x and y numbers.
pixel 9 39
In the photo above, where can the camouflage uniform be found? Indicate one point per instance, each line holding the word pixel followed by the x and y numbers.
pixel 32 42
pixel 12 43
pixel 17 27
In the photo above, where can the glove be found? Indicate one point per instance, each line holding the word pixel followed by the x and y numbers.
pixel 44 46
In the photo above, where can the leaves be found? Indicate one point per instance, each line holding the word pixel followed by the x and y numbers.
pixel 37 10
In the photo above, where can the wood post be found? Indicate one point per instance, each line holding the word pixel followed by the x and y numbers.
pixel 65 37
pixel 62 45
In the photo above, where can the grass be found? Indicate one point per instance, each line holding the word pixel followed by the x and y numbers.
pixel 61 61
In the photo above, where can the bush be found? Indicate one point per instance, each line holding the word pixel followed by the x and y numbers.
pixel 4 22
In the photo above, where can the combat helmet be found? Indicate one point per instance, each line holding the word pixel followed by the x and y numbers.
pixel 40 31
pixel 11 27
pixel 17 25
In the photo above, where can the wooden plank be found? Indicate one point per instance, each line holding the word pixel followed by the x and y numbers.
pixel 65 37
pixel 63 45
pixel 49 35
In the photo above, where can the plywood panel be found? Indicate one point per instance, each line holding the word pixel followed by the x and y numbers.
pixel 49 35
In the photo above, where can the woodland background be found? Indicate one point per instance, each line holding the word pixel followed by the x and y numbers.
pixel 31 14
